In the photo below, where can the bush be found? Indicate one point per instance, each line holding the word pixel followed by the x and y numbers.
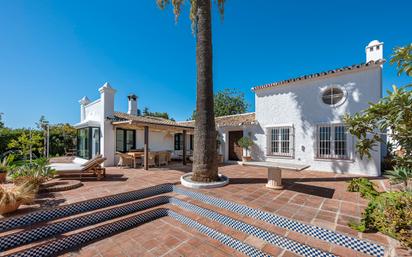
pixel 35 173
pixel 391 214
pixel 364 186
pixel 387 212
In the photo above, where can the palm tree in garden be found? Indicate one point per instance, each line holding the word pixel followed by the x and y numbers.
pixel 204 154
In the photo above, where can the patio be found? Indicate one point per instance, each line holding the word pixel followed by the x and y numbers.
pixel 314 198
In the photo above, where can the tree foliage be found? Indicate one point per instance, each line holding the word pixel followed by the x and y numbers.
pixel 62 138
pixel 164 115
pixel 26 142
pixel 392 115
pixel 402 57
pixel 228 102
pixel 177 7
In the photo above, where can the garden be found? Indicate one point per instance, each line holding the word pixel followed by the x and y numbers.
pixel 390 211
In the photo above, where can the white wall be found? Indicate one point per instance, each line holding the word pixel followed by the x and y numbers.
pixel 94 111
pixel 158 140
pixel 299 104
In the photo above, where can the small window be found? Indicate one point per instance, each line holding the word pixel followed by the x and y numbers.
pixel 377 47
pixel 333 96
pixel 125 140
pixel 371 49
pixel 179 141
pixel 280 141
pixel 332 142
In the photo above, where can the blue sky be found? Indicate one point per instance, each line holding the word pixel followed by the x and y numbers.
pixel 52 53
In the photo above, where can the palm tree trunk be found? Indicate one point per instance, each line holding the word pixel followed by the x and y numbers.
pixel 204 162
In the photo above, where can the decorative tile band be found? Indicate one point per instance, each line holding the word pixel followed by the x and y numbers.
pixel 46 231
pixel 59 246
pixel 272 238
pixel 85 206
pixel 314 231
pixel 41 232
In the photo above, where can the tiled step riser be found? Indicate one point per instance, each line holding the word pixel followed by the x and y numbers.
pixel 81 207
pixel 323 234
pixel 74 241
pixel 313 231
pixel 267 236
pixel 25 237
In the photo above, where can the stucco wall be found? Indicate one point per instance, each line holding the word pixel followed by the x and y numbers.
pixel 94 111
pixel 299 105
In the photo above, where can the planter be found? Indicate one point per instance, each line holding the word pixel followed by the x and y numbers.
pixel 246 158
pixel 3 176
pixel 10 207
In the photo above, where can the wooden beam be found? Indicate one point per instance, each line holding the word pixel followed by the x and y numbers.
pixel 146 147
pixel 184 148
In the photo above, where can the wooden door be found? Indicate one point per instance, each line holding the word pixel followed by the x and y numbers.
pixel 235 151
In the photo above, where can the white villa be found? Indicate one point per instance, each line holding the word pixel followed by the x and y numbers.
pixel 297 120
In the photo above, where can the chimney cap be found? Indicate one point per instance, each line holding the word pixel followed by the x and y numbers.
pixel 374 43
pixel 132 96
pixel 107 88
pixel 84 101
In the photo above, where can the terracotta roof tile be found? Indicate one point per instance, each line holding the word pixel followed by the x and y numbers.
pixel 319 74
pixel 121 116
pixel 229 120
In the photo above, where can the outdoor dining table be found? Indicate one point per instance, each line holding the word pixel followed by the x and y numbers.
pixel 274 170
pixel 140 154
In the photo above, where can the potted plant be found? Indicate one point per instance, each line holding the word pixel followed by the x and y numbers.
pixel 245 143
pixel 12 197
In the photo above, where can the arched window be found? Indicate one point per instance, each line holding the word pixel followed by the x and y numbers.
pixel 333 96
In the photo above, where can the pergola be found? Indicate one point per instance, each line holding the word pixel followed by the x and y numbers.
pixel 155 126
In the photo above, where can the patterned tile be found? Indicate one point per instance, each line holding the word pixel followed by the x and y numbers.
pixel 320 233
pixel 85 206
pixel 28 236
pixel 59 246
pixel 277 240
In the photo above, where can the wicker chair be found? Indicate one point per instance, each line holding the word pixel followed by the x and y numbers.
pixel 163 158
pixel 125 160
pixel 152 159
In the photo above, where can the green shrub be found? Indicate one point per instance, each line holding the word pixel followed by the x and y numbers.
pixel 36 172
pixel 364 186
pixel 391 214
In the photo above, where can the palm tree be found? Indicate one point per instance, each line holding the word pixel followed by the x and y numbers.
pixel 204 154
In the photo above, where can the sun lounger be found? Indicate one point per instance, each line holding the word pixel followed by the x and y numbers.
pixel 81 166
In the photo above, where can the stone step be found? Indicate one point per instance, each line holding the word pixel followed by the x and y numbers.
pixel 79 239
pixel 80 207
pixel 302 230
pixel 243 230
pixel 246 231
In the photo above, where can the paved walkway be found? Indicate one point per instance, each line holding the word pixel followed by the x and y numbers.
pixel 309 197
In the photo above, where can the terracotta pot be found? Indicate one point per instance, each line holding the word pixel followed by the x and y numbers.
pixel 10 208
pixel 246 158
pixel 3 176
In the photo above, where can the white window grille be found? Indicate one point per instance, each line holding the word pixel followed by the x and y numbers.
pixel 280 141
pixel 332 142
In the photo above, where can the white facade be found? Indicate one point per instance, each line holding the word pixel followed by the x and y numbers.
pixel 299 105
pixel 100 113
pixel 296 121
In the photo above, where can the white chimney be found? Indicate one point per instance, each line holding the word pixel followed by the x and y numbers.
pixel 83 102
pixel 107 100
pixel 132 110
pixel 374 51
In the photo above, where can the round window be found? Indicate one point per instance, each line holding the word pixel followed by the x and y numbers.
pixel 333 96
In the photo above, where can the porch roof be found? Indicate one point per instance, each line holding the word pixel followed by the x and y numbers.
pixel 125 120
pixel 235 120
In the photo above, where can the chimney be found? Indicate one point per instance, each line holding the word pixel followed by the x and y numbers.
pixel 374 51
pixel 83 102
pixel 132 110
